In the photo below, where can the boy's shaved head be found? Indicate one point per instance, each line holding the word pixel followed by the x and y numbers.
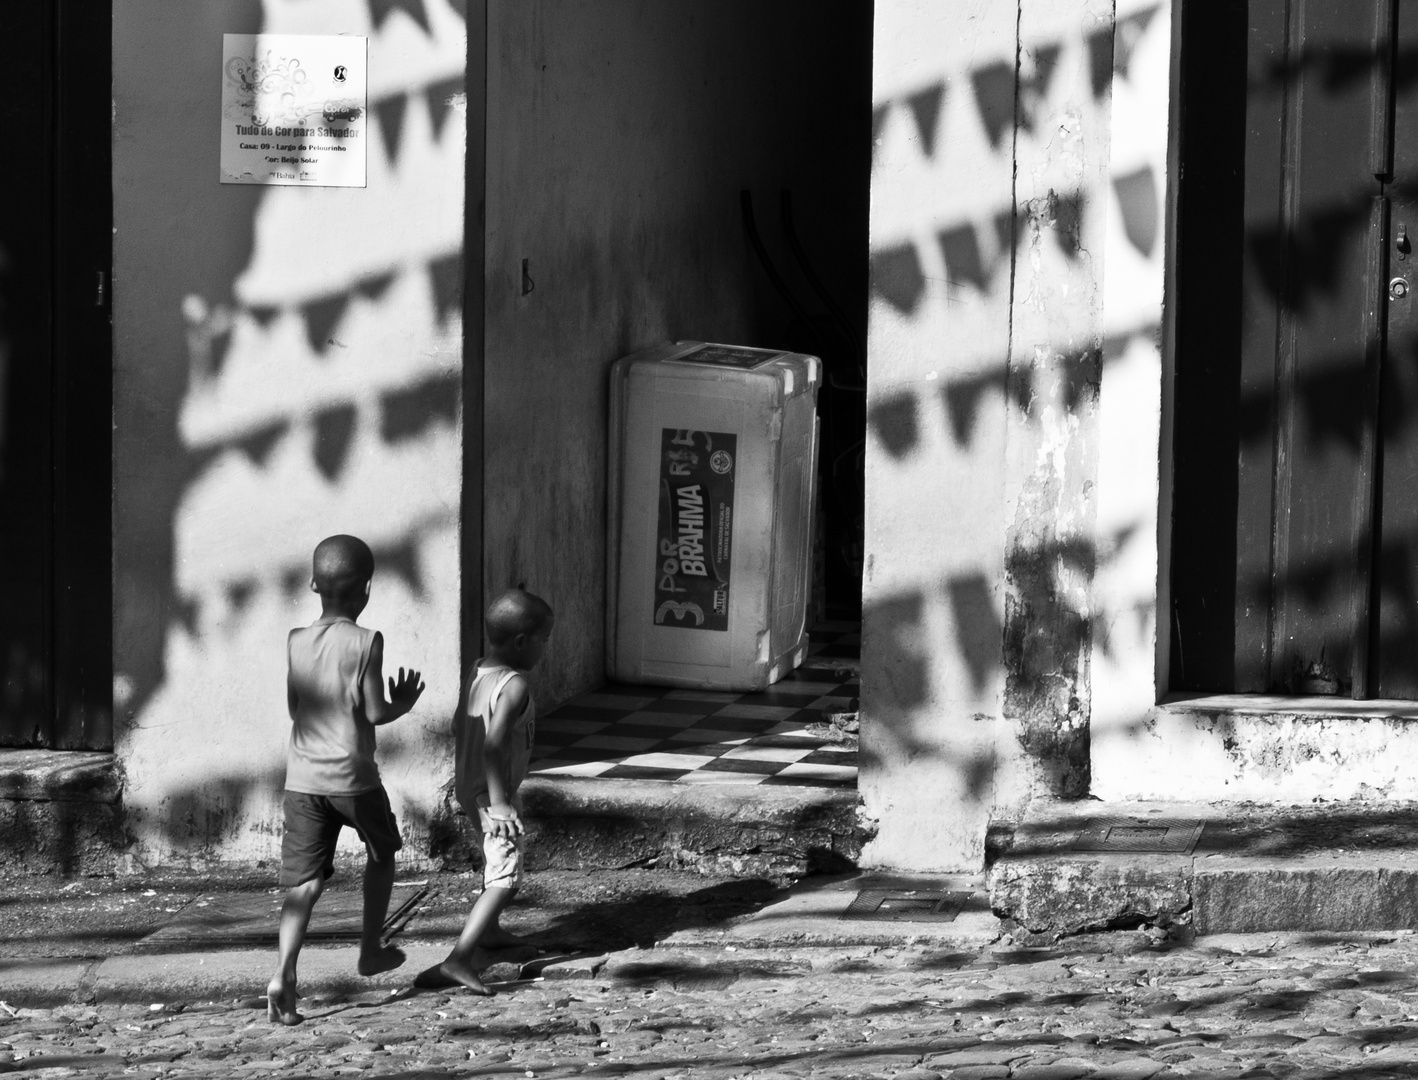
pixel 516 612
pixel 342 564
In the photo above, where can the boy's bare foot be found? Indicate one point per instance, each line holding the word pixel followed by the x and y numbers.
pixel 386 959
pixel 451 973
pixel 280 1004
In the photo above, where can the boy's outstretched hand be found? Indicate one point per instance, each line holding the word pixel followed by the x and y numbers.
pixel 407 690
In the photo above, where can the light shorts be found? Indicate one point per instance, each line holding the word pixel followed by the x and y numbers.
pixel 502 862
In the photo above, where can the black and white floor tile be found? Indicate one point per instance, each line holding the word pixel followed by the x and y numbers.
pixel 708 737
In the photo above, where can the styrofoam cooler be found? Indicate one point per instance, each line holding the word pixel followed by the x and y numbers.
pixel 712 489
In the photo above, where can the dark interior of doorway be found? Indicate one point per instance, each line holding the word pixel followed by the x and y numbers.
pixel 1207 294
pixel 810 247
pixel 833 329
pixel 55 379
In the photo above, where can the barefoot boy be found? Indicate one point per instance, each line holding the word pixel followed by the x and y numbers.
pixel 493 731
pixel 335 692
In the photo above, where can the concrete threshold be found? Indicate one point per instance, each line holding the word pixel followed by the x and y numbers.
pixel 1321 867
pixel 745 829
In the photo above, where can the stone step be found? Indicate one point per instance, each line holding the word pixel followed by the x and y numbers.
pixel 1240 868
pixel 1235 747
pixel 60 810
pixel 747 829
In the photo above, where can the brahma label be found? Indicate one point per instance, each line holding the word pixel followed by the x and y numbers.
pixel 694 544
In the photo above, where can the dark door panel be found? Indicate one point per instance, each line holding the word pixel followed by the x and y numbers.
pixel 55 378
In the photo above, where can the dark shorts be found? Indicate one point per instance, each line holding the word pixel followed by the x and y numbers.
pixel 313 824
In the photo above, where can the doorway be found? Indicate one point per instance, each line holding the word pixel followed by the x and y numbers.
pixel 1295 521
pixel 55 380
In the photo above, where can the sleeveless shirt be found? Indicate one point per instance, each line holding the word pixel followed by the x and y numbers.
pixel 331 743
pixel 470 735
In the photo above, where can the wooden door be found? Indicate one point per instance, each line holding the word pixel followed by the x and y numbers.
pixel 55 378
pixel 1297 363
pixel 1396 621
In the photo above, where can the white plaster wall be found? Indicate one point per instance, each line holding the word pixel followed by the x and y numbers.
pixel 287 367
pixel 934 531
pixel 1012 533
pixel 1127 588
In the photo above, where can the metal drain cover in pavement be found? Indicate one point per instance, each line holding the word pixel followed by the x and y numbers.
pixel 1173 836
pixel 886 905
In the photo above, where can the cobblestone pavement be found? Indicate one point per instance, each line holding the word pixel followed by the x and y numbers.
pixel 1120 1005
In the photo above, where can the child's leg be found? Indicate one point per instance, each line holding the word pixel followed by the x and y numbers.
pixel 373 818
pixel 378 884
pixel 295 918
pixel 502 874
pixel 460 967
pixel 307 854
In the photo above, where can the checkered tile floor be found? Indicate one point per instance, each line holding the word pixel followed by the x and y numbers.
pixel 706 737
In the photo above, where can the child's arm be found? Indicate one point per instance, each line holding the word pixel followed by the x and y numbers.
pixel 292 697
pixel 402 694
pixel 510 703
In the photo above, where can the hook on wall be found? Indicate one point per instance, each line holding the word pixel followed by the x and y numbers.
pixel 527 283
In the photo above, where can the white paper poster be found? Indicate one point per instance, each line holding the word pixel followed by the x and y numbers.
pixel 294 110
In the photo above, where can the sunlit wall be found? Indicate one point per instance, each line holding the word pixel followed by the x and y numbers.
pixel 1012 456
pixel 287 366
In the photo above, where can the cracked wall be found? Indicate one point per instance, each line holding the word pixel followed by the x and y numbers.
pixel 1019 175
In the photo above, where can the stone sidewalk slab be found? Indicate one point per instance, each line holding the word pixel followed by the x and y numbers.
pixel 1331 867
pixel 812 916
pixel 232 973
pixel 42 981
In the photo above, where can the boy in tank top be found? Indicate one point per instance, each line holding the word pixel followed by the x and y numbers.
pixel 493 733
pixel 335 693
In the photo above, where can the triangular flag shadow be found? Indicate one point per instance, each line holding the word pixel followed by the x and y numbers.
pixel 391 111
pixel 402 560
pixel 963 262
pixel 379 10
pixel 446 276
pixel 896 423
pixel 1068 222
pixel 1137 198
pixel 257 445
pixel 978 632
pixel 439 98
pixel 264 314
pixel 321 318
pixel 334 431
pixel 925 108
pixel 994 99
pixel 408 412
pixel 1034 90
pixel 962 402
pixel 1100 61
pixel 375 285
pixel 896 277
pixel 1129 33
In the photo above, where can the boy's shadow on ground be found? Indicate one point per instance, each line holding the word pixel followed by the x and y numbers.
pixel 643 919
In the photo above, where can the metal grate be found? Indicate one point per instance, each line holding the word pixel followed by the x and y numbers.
pixel 885 905
pixel 1172 836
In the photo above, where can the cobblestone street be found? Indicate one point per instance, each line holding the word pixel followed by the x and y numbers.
pixel 1126 1004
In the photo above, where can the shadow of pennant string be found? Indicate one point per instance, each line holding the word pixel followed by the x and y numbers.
pixel 380 10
